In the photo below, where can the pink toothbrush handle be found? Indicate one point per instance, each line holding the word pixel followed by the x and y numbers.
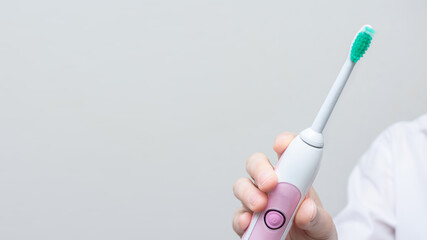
pixel 277 217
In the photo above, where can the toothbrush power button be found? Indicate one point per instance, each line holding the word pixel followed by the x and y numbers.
pixel 274 219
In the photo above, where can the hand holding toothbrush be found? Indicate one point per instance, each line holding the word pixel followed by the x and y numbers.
pixel 311 220
pixel 290 185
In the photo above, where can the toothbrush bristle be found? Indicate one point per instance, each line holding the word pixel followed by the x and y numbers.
pixel 361 43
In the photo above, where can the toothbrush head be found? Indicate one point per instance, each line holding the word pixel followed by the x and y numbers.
pixel 361 43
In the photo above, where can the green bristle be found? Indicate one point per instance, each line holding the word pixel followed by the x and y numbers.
pixel 361 44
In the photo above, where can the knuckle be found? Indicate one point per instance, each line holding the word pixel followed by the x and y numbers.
pixel 237 185
pixel 255 157
pixel 291 134
pixel 287 134
pixel 235 223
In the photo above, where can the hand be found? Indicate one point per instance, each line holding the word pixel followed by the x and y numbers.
pixel 311 221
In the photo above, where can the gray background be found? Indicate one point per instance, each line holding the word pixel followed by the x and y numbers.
pixel 132 119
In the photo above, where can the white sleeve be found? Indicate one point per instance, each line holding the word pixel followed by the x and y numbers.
pixel 369 213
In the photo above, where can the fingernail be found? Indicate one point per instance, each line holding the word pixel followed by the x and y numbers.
pixel 241 222
pixel 314 210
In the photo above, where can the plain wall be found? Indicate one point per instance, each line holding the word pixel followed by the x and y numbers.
pixel 132 119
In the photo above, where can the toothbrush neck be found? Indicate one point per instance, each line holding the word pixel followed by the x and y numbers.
pixel 332 98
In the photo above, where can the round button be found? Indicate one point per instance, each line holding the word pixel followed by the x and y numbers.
pixel 274 219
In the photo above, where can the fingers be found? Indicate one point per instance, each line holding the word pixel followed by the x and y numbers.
pixel 241 220
pixel 314 220
pixel 250 196
pixel 307 212
pixel 282 141
pixel 260 169
pixel 313 195
pixel 253 195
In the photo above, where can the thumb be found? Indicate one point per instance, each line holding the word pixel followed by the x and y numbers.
pixel 315 221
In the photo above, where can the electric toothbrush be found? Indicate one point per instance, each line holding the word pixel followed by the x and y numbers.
pixel 299 164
